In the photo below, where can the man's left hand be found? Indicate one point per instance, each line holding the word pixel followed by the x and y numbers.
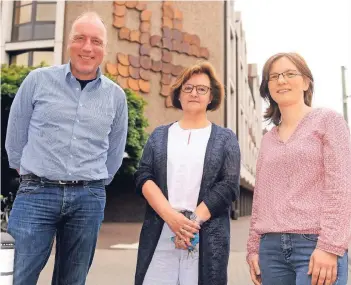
pixel 323 267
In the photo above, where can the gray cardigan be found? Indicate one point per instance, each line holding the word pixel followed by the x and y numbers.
pixel 219 187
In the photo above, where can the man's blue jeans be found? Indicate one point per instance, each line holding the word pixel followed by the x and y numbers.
pixel 71 213
pixel 284 259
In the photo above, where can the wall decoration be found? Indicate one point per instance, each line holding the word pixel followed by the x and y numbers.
pixel 134 71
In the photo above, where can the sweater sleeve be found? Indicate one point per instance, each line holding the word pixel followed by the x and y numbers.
pixel 336 210
pixel 145 170
pixel 253 241
pixel 227 188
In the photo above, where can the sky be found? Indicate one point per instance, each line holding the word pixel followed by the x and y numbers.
pixel 319 30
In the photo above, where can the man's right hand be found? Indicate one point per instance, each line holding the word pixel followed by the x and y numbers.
pixel 182 226
pixel 255 271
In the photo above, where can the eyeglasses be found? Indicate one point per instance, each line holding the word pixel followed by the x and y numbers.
pixel 286 74
pixel 81 39
pixel 200 89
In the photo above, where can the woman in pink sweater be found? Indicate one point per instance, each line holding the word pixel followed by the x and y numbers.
pixel 300 225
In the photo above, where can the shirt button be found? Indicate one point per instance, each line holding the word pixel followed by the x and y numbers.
pixel 77 121
pixel 71 156
pixel 81 105
pixel 70 173
pixel 74 138
pixel 77 89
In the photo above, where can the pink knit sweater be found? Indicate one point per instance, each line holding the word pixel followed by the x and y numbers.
pixel 304 185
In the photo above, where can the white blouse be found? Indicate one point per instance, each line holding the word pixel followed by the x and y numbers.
pixel 185 162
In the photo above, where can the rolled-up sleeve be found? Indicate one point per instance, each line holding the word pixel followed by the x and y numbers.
pixel 226 190
pixel 19 119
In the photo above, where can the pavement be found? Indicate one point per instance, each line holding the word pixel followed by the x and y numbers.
pixel 115 256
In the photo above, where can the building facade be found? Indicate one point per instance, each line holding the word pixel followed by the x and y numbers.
pixel 32 32
pixel 243 106
pixel 149 43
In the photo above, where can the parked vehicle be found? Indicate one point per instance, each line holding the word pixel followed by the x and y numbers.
pixel 6 206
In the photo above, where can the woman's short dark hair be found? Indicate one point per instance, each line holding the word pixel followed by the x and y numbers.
pixel 272 112
pixel 204 67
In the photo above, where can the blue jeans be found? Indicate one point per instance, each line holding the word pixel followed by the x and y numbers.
pixel 284 259
pixel 71 213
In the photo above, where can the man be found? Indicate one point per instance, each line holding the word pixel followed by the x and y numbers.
pixel 66 136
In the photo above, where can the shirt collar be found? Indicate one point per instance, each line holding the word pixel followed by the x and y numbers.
pixel 69 72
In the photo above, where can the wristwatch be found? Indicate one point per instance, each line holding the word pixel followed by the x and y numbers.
pixel 195 218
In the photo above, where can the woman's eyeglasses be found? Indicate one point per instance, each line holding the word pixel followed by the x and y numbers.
pixel 200 89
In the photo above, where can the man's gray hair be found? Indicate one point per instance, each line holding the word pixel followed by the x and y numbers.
pixel 90 15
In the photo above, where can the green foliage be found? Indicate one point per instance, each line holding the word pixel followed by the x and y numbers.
pixel 12 77
pixel 137 136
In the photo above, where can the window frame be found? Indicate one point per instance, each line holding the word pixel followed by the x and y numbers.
pixel 30 54
pixel 33 22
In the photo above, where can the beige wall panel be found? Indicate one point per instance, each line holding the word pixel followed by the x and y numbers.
pixel 204 19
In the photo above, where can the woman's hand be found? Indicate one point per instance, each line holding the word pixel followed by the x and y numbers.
pixel 182 226
pixel 179 243
pixel 323 267
pixel 255 271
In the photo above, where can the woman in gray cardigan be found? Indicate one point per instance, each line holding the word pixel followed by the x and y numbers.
pixel 189 176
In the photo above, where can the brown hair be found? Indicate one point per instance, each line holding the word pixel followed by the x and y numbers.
pixel 272 112
pixel 204 67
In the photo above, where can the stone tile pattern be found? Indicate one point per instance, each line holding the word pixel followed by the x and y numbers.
pixel 134 72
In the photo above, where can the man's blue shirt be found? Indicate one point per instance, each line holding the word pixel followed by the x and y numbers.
pixel 60 132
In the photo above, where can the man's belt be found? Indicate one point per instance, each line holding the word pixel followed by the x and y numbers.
pixel 33 177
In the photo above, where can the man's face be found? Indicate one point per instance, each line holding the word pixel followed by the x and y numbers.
pixel 87 47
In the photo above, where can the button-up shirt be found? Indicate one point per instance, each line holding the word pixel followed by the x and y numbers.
pixel 60 132
pixel 303 185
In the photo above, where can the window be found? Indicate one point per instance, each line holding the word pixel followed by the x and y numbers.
pixel 34 20
pixel 32 57
pixel 20 59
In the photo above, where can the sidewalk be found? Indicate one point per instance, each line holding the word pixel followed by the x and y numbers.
pixel 117 266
